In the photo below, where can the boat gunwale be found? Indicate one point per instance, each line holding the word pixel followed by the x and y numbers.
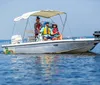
pixel 46 42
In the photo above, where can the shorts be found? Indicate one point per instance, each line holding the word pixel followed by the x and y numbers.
pixel 56 35
pixel 48 37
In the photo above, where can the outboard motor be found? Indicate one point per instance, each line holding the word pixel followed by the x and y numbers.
pixel 16 39
pixel 96 34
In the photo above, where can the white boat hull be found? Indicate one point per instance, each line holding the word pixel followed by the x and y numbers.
pixel 57 46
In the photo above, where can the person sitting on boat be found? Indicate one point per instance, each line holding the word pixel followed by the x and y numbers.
pixel 37 26
pixel 56 33
pixel 46 31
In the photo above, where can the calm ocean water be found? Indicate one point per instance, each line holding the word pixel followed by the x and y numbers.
pixel 50 69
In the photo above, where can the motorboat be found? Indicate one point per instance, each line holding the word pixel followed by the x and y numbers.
pixel 68 45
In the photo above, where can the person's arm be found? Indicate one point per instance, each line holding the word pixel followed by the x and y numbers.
pixel 51 31
pixel 41 25
pixel 42 29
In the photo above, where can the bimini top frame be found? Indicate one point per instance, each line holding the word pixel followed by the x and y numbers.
pixel 44 14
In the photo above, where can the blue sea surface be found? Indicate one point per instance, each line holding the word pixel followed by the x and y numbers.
pixel 50 69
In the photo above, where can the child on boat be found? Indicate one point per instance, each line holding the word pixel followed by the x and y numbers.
pixel 56 33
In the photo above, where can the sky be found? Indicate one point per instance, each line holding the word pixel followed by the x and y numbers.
pixel 83 16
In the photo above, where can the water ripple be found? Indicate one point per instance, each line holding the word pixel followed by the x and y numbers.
pixel 50 69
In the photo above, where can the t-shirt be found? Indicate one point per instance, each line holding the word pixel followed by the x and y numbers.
pixel 37 26
pixel 55 30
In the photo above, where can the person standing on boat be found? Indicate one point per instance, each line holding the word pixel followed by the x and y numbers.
pixel 37 26
pixel 46 31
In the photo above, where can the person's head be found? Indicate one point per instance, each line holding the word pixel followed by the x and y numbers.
pixel 54 26
pixel 37 19
pixel 47 24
